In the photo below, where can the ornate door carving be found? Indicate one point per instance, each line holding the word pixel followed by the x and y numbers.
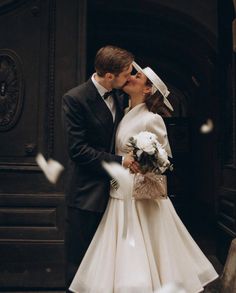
pixel 37 65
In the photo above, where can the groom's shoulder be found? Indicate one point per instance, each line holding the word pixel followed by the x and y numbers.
pixel 81 91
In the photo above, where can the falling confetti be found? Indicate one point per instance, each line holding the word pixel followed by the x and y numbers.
pixel 207 127
pixel 51 168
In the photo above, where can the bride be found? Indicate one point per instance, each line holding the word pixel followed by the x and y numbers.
pixel 164 251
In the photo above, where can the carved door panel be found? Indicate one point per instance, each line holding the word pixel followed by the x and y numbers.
pixel 37 65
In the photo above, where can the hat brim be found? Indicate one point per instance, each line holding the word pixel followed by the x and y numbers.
pixel 166 102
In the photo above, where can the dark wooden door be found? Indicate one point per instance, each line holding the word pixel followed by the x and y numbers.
pixel 39 55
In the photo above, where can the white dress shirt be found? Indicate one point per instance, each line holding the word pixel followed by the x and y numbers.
pixel 109 100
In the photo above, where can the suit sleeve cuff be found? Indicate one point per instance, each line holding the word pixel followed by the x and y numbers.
pixel 122 161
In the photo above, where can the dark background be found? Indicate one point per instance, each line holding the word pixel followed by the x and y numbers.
pixel 48 47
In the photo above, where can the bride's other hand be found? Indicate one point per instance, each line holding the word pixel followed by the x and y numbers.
pixel 129 162
pixel 135 168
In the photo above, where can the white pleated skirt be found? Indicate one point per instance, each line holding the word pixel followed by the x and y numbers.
pixel 164 252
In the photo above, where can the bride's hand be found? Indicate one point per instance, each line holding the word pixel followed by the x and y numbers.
pixel 135 168
pixel 129 162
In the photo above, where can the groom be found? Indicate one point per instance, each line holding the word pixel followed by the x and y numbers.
pixel 91 113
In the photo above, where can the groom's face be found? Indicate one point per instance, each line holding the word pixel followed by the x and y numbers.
pixel 120 80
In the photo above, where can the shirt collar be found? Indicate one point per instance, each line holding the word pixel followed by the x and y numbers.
pixel 98 86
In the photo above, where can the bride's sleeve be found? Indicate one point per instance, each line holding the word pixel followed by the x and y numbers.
pixel 157 126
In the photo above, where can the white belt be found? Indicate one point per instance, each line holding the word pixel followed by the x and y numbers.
pixel 128 226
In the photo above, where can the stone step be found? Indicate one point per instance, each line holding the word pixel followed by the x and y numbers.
pixel 228 279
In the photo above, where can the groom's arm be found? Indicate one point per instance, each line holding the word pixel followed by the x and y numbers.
pixel 76 131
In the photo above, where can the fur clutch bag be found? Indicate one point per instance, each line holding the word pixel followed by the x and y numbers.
pixel 150 186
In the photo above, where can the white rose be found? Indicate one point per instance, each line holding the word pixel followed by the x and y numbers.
pixel 150 149
pixel 162 154
pixel 145 139
pixel 141 144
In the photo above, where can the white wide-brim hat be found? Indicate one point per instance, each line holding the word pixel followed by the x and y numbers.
pixel 157 83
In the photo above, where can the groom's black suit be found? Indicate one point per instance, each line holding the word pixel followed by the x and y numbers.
pixel 90 134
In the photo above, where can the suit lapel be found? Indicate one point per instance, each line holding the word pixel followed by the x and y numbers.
pixel 99 108
pixel 118 117
pixel 119 110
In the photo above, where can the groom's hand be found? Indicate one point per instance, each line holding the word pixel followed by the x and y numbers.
pixel 129 162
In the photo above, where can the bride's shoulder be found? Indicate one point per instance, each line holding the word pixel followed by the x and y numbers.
pixel 155 119
pixel 155 116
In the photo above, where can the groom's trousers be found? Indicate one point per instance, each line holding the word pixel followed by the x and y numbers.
pixel 80 228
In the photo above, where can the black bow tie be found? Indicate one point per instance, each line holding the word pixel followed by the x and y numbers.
pixel 107 94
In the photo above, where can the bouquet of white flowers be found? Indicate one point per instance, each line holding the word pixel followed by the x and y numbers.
pixel 153 161
pixel 149 153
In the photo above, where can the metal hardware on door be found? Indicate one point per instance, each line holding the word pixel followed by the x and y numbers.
pixel 3 88
pixel 30 149
pixel 35 10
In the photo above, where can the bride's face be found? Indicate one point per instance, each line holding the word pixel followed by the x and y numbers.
pixel 137 85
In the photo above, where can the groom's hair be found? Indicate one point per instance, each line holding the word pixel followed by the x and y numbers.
pixel 113 60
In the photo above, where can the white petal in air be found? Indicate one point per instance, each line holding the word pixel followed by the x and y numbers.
pixel 171 288
pixel 207 127
pixel 51 168
pixel 120 174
